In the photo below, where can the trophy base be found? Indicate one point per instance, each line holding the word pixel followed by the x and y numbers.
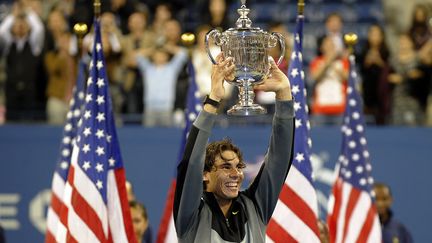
pixel 251 110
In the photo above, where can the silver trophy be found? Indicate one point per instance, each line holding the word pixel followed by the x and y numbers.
pixel 248 46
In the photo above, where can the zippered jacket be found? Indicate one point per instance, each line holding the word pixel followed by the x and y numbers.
pixel 198 217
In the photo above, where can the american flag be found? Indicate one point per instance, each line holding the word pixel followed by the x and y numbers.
pixel 296 213
pixel 62 168
pixel 97 209
pixel 352 215
pixel 167 232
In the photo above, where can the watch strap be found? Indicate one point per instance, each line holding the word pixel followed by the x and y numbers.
pixel 210 101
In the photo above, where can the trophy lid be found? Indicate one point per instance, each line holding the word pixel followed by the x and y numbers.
pixel 243 22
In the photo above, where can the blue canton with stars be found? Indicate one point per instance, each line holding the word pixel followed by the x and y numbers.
pixel 355 167
pixel 70 128
pixel 302 140
pixel 99 150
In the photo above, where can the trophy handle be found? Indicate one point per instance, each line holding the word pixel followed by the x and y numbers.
pixel 279 38
pixel 219 40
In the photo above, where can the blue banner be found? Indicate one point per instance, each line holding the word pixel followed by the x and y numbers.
pixel 400 157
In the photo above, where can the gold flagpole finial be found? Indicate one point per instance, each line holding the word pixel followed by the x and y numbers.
pixel 188 40
pixel 350 40
pixel 97 8
pixel 80 29
pixel 300 7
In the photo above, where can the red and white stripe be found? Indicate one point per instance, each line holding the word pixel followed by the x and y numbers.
pixel 167 232
pixel 296 213
pixel 54 222
pixel 352 215
pixel 85 217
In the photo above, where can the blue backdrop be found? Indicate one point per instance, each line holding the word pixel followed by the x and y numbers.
pixel 400 157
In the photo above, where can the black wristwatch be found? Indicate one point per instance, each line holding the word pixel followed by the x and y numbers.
pixel 212 102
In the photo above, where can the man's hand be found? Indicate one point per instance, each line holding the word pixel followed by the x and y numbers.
pixel 276 82
pixel 223 70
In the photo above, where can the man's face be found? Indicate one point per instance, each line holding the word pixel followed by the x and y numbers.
pixel 334 24
pixel 140 224
pixel 20 28
pixel 383 199
pixel 226 176
pixel 137 22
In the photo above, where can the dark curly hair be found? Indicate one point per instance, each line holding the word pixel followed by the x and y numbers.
pixel 217 148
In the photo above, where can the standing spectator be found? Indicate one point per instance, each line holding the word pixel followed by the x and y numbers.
pixel 374 70
pixel 22 33
pixel 203 65
pixel 160 72
pixel 267 99
pixel 421 33
pixel 163 12
pixel 59 65
pixel 392 230
pixel 410 84
pixel 172 33
pixel 333 30
pixel 139 37
pixel 121 9
pixel 201 61
pixel 329 73
pixel 111 43
pixel 419 29
pixel 215 14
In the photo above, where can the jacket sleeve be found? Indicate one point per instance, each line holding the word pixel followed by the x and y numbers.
pixel 189 186
pixel 265 188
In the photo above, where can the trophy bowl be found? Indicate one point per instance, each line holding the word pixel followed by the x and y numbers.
pixel 248 47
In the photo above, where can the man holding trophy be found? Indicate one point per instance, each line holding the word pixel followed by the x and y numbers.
pixel 208 204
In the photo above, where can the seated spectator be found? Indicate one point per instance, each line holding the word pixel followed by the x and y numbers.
pixel 140 221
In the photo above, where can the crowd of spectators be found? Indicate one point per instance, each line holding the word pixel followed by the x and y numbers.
pixel 147 63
